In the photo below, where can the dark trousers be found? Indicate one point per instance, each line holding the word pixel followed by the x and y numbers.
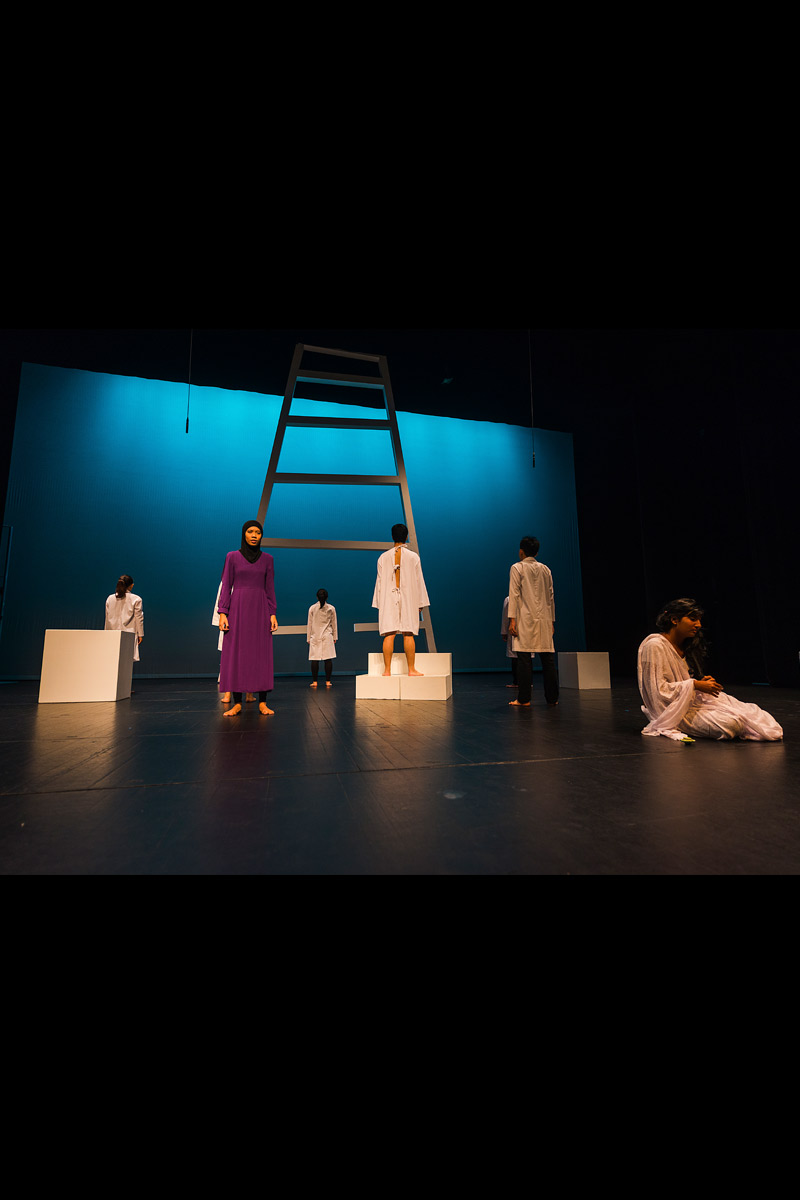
pixel 525 676
pixel 315 669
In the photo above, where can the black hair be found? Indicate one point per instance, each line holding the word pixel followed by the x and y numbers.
pixel 322 596
pixel 696 649
pixel 399 533
pixel 123 583
pixel 675 610
pixel 530 545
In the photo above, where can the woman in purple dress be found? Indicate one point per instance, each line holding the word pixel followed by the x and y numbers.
pixel 247 617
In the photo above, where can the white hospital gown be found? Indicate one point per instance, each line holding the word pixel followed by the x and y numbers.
pixel 676 709
pixel 126 613
pixel 398 610
pixel 321 632
pixel 532 605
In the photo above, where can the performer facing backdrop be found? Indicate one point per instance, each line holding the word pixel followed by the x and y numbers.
pixel 124 611
pixel 247 618
pixel 321 635
pixel 399 594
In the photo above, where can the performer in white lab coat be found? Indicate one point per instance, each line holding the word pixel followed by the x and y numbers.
pixel 531 622
pixel 124 611
pixel 512 654
pixel 683 706
pixel 321 636
pixel 400 593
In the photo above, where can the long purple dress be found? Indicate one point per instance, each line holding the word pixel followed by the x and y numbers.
pixel 247 597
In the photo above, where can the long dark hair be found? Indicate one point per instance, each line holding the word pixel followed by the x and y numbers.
pixel 322 596
pixel 123 583
pixel 695 650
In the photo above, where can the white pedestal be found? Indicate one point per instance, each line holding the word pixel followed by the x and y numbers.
pixel 80 665
pixel 435 683
pixel 585 670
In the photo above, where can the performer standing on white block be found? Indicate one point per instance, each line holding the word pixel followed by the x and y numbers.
pixel 400 593
pixel 681 707
pixel 321 636
pixel 124 611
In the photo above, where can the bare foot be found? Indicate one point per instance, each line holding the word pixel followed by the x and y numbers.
pixel 312 685
pixel 249 696
pixel 265 712
pixel 233 712
pixel 327 685
pixel 225 697
pixel 386 674
pixel 415 673
pixel 516 704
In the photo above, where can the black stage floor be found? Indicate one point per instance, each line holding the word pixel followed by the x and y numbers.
pixel 161 784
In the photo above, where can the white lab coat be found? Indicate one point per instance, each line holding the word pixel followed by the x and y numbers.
pixel 126 613
pixel 398 609
pixel 504 631
pixel 321 632
pixel 532 605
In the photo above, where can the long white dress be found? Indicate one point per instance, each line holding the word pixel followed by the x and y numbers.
pixel 321 632
pixel 532 605
pixel 126 613
pixel 398 608
pixel 676 710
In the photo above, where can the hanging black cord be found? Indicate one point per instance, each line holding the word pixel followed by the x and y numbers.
pixel 530 372
pixel 188 394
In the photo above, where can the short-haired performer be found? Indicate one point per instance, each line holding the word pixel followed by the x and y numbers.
pixel 531 622
pixel 400 593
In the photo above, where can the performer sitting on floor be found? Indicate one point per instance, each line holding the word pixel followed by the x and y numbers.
pixel 399 595
pixel 682 707
pixel 321 636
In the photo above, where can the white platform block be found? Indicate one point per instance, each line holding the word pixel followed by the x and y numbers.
pixel 435 683
pixel 80 665
pixel 375 687
pixel 585 669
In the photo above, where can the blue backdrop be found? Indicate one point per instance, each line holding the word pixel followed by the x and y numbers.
pixel 104 480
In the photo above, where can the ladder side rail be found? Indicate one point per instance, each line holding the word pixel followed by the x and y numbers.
pixel 278 443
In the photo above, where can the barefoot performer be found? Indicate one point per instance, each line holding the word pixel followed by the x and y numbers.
pixel 684 706
pixel 321 635
pixel 400 593
pixel 247 609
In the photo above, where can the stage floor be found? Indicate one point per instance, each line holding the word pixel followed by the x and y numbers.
pixel 161 784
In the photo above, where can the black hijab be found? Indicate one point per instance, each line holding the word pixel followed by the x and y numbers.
pixel 251 553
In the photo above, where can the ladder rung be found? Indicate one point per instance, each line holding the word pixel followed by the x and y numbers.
pixel 311 544
pixel 288 477
pixel 340 422
pixel 342 353
pixel 368 381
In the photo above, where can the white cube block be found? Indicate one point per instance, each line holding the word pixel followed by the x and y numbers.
pixel 376 687
pixel 80 665
pixel 428 664
pixel 435 682
pixel 584 669
pixel 426 687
